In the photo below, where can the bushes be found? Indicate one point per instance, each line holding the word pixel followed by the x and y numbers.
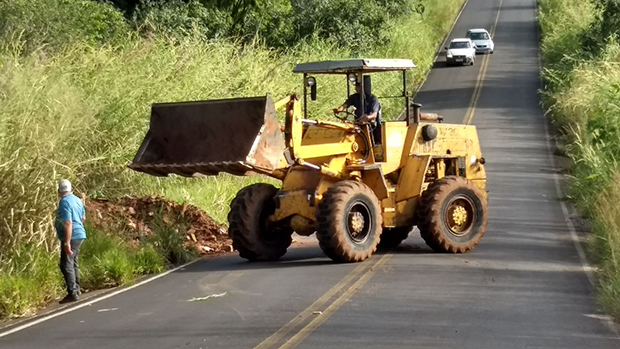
pixel 105 261
pixel 179 19
pixel 582 75
pixel 563 28
pixel 168 239
pixel 30 277
pixel 82 112
pixel 59 23
pixel 78 107
pixel 148 260
pixel 606 27
pixel 359 25
pixel 606 244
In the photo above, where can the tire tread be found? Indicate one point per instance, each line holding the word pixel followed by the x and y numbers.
pixel 244 231
pixel 430 215
pixel 332 238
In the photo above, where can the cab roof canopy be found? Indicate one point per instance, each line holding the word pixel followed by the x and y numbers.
pixel 355 65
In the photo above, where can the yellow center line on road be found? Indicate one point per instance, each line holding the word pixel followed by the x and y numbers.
pixel 306 313
pixel 320 319
pixel 469 117
pixel 336 304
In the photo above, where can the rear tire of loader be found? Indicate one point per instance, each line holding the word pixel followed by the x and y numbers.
pixel 248 230
pixel 349 222
pixel 392 237
pixel 453 215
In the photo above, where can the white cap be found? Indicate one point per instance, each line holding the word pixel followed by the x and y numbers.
pixel 64 186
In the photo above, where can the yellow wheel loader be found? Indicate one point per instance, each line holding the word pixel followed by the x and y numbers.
pixel 356 186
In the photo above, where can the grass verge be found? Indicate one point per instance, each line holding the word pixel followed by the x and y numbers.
pixel 31 277
pixel 582 92
pixel 80 112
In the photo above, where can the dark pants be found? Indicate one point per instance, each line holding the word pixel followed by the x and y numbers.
pixel 69 267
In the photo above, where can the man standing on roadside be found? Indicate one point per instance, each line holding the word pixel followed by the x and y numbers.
pixel 70 219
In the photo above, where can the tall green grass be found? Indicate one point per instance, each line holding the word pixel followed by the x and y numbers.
pixel 582 93
pixel 56 24
pixel 31 278
pixel 80 111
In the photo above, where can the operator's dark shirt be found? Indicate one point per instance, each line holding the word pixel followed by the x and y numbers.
pixel 371 102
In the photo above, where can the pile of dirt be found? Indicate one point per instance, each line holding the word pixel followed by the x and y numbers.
pixel 136 216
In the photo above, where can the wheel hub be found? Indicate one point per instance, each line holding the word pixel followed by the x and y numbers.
pixel 459 216
pixel 356 223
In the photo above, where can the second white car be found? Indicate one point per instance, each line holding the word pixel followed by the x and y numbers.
pixel 482 39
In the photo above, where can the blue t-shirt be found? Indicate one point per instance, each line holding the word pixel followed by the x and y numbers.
pixel 71 209
pixel 371 102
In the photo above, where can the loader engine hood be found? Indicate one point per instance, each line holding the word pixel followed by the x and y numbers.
pixel 208 137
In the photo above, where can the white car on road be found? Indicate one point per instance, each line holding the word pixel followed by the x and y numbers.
pixel 461 51
pixel 482 39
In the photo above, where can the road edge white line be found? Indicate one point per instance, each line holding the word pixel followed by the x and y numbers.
pixel 585 264
pixel 587 268
pixel 91 302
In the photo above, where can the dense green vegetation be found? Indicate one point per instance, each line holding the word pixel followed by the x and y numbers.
pixel 77 78
pixel 581 54
pixel 31 273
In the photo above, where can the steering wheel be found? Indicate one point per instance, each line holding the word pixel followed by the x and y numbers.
pixel 346 115
pixel 360 123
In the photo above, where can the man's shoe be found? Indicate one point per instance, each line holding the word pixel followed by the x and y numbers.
pixel 69 298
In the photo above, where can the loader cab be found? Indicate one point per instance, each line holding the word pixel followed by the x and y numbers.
pixel 359 73
pixel 355 71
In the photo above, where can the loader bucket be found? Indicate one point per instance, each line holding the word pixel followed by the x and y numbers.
pixel 208 137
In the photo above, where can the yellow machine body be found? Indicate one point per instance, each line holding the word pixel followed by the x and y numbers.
pixel 398 171
pixel 358 190
pixel 243 136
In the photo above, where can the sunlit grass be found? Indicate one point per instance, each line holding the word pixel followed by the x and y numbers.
pixel 81 111
pixel 583 94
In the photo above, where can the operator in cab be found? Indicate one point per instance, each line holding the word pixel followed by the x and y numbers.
pixel 371 113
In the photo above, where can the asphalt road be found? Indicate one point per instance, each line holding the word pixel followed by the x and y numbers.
pixel 524 286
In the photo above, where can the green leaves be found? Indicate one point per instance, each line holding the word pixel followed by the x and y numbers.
pixel 59 23
pixel 583 96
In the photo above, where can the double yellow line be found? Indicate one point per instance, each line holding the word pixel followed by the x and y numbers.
pixel 336 297
pixel 469 117
pixel 362 273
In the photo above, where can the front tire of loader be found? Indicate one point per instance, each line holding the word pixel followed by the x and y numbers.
pixel 349 222
pixel 453 215
pixel 248 228
pixel 392 237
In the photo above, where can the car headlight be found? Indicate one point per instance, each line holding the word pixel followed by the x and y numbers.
pixel 449 54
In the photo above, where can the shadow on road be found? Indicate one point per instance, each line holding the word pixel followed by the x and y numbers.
pixel 296 257
pixel 441 64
